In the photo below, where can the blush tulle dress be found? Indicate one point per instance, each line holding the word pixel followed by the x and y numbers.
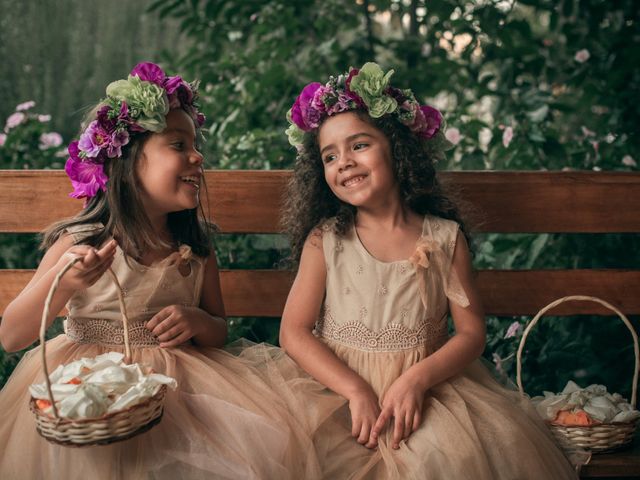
pixel 223 421
pixel 380 319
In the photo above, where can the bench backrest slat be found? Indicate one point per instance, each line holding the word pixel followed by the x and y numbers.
pixel 249 201
pixel 503 202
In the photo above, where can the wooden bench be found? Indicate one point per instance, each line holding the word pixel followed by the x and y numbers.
pixel 508 202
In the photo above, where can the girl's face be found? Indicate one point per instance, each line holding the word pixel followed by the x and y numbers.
pixel 169 169
pixel 357 161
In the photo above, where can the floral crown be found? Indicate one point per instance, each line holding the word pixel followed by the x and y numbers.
pixel 366 89
pixel 138 104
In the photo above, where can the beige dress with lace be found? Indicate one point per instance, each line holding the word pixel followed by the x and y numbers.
pixel 381 318
pixel 224 420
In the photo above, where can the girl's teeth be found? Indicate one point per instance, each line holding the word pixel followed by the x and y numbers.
pixel 353 181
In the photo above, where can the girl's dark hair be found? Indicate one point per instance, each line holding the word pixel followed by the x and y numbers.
pixel 309 200
pixel 121 211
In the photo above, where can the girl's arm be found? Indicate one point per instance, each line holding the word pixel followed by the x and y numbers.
pixel 215 332
pixel 21 319
pixel 403 400
pixel 296 338
pixel 469 340
pixel 205 325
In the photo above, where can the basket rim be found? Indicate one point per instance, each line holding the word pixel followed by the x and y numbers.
pixel 158 396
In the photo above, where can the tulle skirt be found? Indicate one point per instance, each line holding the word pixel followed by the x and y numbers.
pixel 472 428
pixel 223 422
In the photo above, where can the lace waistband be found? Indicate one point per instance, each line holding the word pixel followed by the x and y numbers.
pixel 106 332
pixel 429 333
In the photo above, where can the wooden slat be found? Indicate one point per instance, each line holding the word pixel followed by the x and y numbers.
pixel 262 293
pixel 249 201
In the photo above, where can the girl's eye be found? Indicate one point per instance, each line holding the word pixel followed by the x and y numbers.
pixel 359 146
pixel 178 145
pixel 329 158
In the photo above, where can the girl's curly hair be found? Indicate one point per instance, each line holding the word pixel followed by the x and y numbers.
pixel 309 200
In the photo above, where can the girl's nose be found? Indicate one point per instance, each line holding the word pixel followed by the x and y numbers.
pixel 196 158
pixel 346 161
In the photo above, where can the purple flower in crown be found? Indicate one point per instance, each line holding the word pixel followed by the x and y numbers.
pixel 87 177
pixel 302 113
pixel 433 120
pixel 149 72
pixel 96 138
pixel 427 122
pixel 343 103
pixel 105 119
pixel 93 139
pixel 350 94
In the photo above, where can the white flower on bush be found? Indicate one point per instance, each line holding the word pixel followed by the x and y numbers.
pixel 14 120
pixel 44 118
pixel 582 55
pixel 50 140
pixel 25 106
pixel 587 133
pixel 629 161
pixel 3 139
pixel 507 136
pixel 453 135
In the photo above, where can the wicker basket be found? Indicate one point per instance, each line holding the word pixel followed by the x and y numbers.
pixel 600 438
pixel 108 428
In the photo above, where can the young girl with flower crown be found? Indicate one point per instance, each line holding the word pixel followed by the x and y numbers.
pixel 139 171
pixel 383 259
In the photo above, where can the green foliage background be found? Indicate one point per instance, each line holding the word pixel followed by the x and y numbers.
pixel 561 76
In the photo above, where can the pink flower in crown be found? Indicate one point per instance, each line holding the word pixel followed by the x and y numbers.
pixel 87 177
pixel 302 113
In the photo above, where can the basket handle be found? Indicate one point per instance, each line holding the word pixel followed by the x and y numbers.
pixel 45 315
pixel 634 385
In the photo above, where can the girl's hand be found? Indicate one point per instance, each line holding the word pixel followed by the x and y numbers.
pixel 403 401
pixel 177 324
pixel 87 271
pixel 364 409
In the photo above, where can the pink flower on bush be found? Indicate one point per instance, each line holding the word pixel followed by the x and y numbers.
pixel 582 56
pixel 507 136
pixel 629 161
pixel 453 135
pixel 50 140
pixel 25 106
pixel 513 330
pixel 3 140
pixel 44 118
pixel 14 120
